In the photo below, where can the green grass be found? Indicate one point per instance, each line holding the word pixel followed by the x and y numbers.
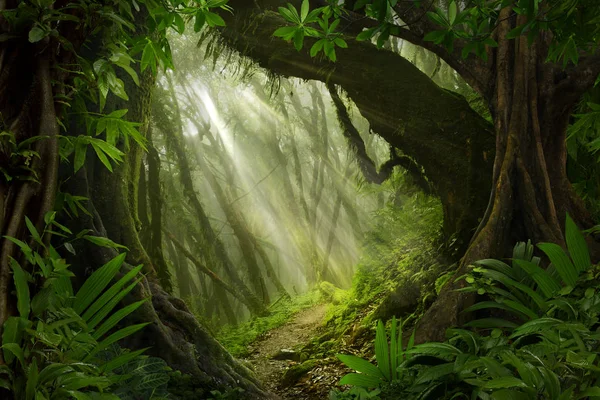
pixel 236 339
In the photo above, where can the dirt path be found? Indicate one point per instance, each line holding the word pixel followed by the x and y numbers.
pixel 291 336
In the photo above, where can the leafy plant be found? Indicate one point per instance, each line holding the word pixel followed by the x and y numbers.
pixel 142 377
pixel 303 26
pixel 389 356
pixel 548 348
pixel 52 347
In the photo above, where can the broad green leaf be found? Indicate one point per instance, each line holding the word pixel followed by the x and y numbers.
pixel 382 351
pixel 122 360
pixel 561 262
pixel 115 318
pixel 548 285
pixel 318 46
pixel 96 283
pixel 490 323
pixel 504 382
pixel 199 21
pixel 13 333
pixel 435 372
pixel 443 350
pixel 34 233
pixel 150 381
pixel 578 249
pixel 285 32
pixel 104 242
pixel 36 34
pixel 360 380
pixel 304 10
pixel 80 153
pixel 535 325
pixel 213 19
pixel 299 39
pixel 32 380
pixel 148 57
pixel 360 365
pixel 452 11
pixel 22 288
pixel 17 351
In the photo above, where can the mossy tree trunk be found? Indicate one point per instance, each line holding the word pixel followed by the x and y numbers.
pixel 531 194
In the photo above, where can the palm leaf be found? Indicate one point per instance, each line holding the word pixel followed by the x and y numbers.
pixel 96 283
pixel 114 319
pixel 360 365
pixel 561 262
pixel 110 293
pixel 108 307
pixel 547 284
pixel 577 246
pixel 382 352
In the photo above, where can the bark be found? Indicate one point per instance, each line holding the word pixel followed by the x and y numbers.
pixel 184 279
pixel 155 197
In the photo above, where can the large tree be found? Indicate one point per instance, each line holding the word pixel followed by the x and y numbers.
pixel 529 60
pixel 74 108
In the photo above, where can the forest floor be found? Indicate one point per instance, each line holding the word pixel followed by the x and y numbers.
pixel 275 355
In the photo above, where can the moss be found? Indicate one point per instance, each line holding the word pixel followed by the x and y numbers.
pixel 293 374
pixel 331 293
pixel 236 339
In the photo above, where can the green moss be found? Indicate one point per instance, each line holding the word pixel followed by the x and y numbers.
pixel 332 293
pixel 293 374
pixel 236 339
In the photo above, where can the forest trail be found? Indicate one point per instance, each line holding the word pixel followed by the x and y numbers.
pixel 291 336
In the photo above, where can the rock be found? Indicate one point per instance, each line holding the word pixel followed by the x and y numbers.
pixel 403 300
pixel 332 293
pixel 287 354
pixel 294 373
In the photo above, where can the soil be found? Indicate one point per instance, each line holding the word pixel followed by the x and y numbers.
pixel 322 376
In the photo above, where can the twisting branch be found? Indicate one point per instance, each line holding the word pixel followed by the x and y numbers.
pixel 365 163
pixel 578 79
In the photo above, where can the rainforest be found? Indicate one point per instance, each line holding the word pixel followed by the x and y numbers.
pixel 299 199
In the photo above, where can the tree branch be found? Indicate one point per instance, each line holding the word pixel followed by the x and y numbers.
pixel 577 80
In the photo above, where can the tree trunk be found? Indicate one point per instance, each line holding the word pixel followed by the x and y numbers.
pixel 531 194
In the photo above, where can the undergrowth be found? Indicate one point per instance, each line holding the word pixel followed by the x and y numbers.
pixel 237 338
pixel 401 250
